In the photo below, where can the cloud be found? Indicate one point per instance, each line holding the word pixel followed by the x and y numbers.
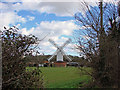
pixel 8 18
pixel 55 0
pixel 55 31
pixel 54 28
pixel 30 18
pixel 57 8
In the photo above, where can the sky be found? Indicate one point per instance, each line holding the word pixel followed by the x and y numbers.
pixel 51 18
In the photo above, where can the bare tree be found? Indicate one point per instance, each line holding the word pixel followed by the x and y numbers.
pixel 97 41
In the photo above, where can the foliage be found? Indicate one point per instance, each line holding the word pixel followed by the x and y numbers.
pixel 14 47
pixel 30 80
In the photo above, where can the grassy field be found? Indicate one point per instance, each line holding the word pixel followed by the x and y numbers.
pixel 63 77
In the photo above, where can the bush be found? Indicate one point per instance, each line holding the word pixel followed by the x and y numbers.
pixel 14 47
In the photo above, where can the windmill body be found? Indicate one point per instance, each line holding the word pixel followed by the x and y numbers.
pixel 59 56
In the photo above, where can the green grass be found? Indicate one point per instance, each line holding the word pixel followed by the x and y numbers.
pixel 63 77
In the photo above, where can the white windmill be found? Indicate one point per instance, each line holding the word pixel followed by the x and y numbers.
pixel 60 52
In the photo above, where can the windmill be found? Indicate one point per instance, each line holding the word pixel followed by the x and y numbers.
pixel 60 53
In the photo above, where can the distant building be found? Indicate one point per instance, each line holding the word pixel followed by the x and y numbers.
pixel 72 64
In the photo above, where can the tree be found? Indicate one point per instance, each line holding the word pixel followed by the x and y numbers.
pixel 98 40
pixel 14 47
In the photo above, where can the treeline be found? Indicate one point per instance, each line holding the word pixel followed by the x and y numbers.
pixel 41 58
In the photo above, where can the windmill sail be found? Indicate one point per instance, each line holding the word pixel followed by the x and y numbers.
pixel 52 55
pixel 59 52
pixel 67 57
